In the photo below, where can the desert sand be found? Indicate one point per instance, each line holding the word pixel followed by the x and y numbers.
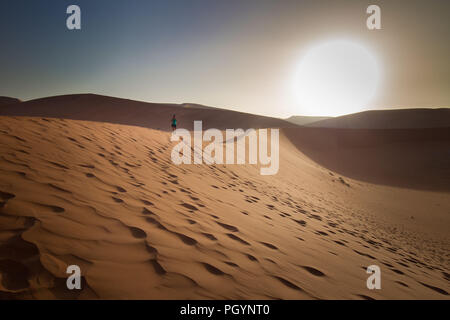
pixel 389 119
pixel 88 180
pixel 5 101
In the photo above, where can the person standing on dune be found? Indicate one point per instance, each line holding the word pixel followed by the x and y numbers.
pixel 174 123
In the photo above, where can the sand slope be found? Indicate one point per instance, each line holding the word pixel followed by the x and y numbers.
pixel 408 158
pixel 93 107
pixel 390 119
pixel 107 198
pixel 4 101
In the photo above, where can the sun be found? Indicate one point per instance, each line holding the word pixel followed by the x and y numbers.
pixel 336 78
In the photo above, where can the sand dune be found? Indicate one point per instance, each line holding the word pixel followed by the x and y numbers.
pixel 107 197
pixel 305 120
pixel 390 119
pixel 408 158
pixel 4 101
pixel 150 115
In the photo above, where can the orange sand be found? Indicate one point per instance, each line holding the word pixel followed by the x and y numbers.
pixel 106 196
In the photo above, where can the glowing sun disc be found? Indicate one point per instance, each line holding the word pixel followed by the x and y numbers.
pixel 336 78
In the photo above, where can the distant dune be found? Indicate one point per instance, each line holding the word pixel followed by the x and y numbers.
pixel 376 156
pixel 88 180
pixel 196 106
pixel 150 115
pixel 4 101
pixel 305 120
pixel 408 158
pixel 390 119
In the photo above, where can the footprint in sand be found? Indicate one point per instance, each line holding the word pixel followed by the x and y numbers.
pixel 438 290
pixel 228 227
pixel 236 238
pixel 287 283
pixel 156 223
pixel 60 166
pixel 340 243
pixel 113 163
pixel 138 233
pixel 402 284
pixel 271 261
pixel 117 200
pixel 403 264
pixel 189 206
pixel 316 217
pixel 147 203
pixel 151 249
pixel 190 221
pixel 213 270
pixel 4 197
pixel 209 236
pixel 332 224
pixel 187 240
pixel 314 271
pixel 157 267
pixel 251 258
pixel 146 211
pixel 120 189
pixel 362 254
pixel 231 264
pixel 300 222
pixel 270 246
pixel 18 138
pixel 397 271
pixel 52 208
pixel 58 188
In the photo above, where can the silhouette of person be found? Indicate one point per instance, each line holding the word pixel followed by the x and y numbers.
pixel 174 123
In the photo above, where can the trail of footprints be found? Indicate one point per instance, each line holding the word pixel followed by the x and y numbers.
pixel 15 271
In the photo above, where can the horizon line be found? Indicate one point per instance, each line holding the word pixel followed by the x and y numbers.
pixel 395 108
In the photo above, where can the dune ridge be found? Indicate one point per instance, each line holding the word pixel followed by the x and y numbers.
pixel 4 101
pixel 92 107
pixel 419 118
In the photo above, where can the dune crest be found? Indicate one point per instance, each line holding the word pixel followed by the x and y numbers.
pixel 92 107
pixel 389 119
pixel 4 101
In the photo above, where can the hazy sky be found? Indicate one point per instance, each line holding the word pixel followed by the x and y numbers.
pixel 238 54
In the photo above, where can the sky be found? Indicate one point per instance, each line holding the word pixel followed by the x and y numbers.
pixel 234 54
